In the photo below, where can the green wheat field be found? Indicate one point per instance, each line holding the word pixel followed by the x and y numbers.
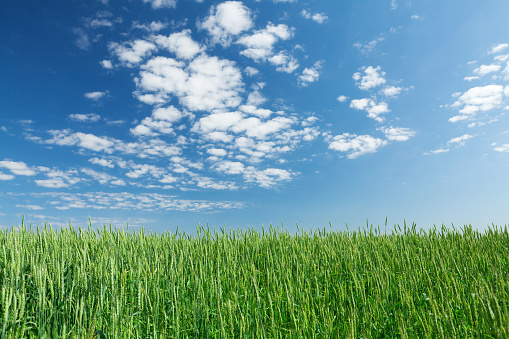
pixel 365 283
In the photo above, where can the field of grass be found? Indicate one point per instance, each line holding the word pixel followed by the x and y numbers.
pixel 116 283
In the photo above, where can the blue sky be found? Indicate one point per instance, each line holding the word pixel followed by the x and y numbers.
pixel 167 113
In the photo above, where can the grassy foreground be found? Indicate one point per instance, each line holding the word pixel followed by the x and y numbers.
pixel 244 284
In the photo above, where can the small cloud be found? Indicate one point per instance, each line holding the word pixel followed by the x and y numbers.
pixel 156 4
pixel 317 17
pixel 106 64
pixel 90 117
pixel 342 98
pixel 471 78
pixel 498 48
pixel 416 17
pixel 96 95
pixel 251 71
pixel 397 133
pixel 437 151
pixel 31 207
pixel 356 145
pixel 368 46
pixel 82 41
pixel 372 77
pixel 392 91
pixel 502 148
pixel 5 177
pixel 460 141
pixel 486 69
pixel 394 4
pixel 17 167
pixel 310 74
pixel 102 162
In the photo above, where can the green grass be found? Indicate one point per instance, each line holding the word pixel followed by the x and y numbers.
pixel 442 283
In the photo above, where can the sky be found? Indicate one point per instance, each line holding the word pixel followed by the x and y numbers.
pixel 174 113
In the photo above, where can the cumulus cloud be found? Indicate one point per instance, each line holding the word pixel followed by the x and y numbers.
pixel 356 145
pixel 317 17
pixel 90 117
pixel 5 177
pixel 372 77
pixel 502 148
pixel 106 64
pixel 478 99
pixel 156 4
pixel 207 83
pixel 17 167
pixel 437 151
pixel 226 20
pixel 397 133
pixel 260 44
pixel 373 108
pixel 342 98
pixel 132 53
pixel 392 91
pixel 102 162
pixel 153 26
pixel 310 74
pixel 96 95
pixel 460 141
pixel 486 69
pixel 498 48
pixel 179 43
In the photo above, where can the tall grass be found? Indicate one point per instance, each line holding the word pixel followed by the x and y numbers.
pixel 113 283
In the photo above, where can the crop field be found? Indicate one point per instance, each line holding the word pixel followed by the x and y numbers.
pixel 118 283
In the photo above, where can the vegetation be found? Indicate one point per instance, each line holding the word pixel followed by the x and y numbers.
pixel 112 283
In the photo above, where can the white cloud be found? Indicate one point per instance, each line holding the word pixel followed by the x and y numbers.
pixel 153 26
pixel 284 62
pixel 483 98
pixel 102 162
pixel 106 64
pixel 498 48
pixel 356 145
pixel 397 133
pixel 5 177
pixel 218 152
pixel 146 202
pixel 82 41
pixel 394 4
pixel 31 207
pixel 373 108
pixel 392 91
pixel 207 83
pixel 251 71
pixel 179 43
pixel 317 17
pixel 84 140
pixel 90 117
pixel 367 47
pixel 471 78
pixel 437 151
pixel 101 177
pixel 227 19
pixel 259 45
pixel 162 3
pixel 460 141
pixel 342 98
pixel 17 167
pixel 310 74
pixel 486 69
pixel 416 17
pixel 132 53
pixel 372 77
pixel 96 95
pixel 503 148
